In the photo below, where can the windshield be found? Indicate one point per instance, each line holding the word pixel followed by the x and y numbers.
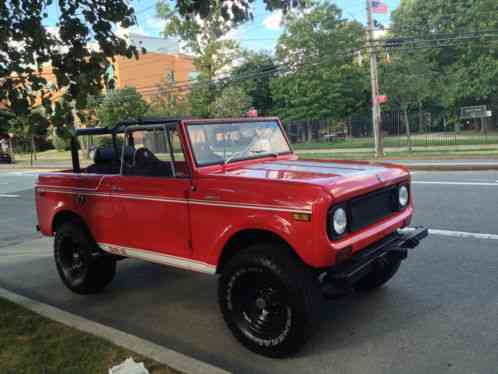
pixel 228 142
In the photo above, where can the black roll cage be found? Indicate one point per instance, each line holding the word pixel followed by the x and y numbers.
pixel 118 128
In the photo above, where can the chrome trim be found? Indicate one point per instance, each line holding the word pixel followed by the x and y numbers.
pixel 222 204
pixel 159 258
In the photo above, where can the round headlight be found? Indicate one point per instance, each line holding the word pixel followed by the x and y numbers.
pixel 403 196
pixel 339 221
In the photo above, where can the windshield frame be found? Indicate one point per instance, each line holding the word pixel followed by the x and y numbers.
pixel 229 122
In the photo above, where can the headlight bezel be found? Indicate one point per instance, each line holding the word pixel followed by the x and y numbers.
pixel 333 234
pixel 398 196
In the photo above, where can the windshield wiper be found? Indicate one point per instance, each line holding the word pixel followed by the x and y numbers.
pixel 246 149
pixel 251 144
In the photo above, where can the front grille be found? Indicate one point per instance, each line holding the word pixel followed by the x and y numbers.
pixel 368 209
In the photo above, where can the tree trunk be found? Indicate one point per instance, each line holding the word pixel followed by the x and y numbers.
pixel 420 118
pixel 309 132
pixel 408 132
pixel 32 154
pixel 484 125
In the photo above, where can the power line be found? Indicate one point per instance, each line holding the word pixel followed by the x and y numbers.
pixel 282 68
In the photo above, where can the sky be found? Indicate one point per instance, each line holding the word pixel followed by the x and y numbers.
pixel 259 34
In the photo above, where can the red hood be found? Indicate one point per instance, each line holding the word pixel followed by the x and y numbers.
pixel 338 177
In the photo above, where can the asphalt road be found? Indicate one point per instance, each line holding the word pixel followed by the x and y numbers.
pixel 439 314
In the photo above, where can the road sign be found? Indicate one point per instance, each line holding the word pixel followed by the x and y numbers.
pixel 479 111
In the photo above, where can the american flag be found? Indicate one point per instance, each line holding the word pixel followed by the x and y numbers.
pixel 379 7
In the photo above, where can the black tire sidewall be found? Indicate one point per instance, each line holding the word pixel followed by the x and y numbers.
pixel 99 270
pixel 296 281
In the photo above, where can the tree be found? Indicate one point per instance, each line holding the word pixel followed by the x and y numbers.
pixel 254 76
pixel 408 80
pixel 235 11
pixel 120 105
pixel 322 79
pixel 233 102
pixel 29 130
pixel 79 51
pixel 206 38
pixel 468 63
pixel 168 102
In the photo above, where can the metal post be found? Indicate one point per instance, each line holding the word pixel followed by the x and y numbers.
pixel 11 148
pixel 374 78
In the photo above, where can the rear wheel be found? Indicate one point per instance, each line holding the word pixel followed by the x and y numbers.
pixel 267 299
pixel 82 266
pixel 383 271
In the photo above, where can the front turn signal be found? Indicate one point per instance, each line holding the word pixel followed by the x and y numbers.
pixel 306 217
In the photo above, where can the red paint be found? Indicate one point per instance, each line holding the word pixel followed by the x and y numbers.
pixel 194 218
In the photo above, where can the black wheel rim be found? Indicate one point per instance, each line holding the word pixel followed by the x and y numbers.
pixel 72 261
pixel 258 300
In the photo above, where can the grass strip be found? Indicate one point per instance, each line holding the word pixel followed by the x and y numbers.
pixel 30 343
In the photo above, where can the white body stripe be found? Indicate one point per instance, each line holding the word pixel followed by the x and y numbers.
pixel 95 189
pixel 159 258
pixel 222 204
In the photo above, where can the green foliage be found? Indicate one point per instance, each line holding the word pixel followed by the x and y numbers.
pixel 205 38
pixel 324 81
pixel 106 142
pixel 233 102
pixel 236 11
pixel 27 44
pixel 254 76
pixel 408 80
pixel 62 143
pixel 467 70
pixel 120 105
pixel 200 98
pixel 28 128
pixel 168 102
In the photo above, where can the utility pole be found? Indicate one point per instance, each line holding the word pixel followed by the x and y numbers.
pixel 374 78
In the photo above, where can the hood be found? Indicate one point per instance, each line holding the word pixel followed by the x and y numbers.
pixel 336 176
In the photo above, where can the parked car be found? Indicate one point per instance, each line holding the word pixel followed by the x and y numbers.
pixel 4 149
pixel 230 198
pixel 5 158
pixel 334 136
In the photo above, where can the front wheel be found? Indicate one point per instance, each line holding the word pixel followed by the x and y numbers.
pixel 80 264
pixel 267 299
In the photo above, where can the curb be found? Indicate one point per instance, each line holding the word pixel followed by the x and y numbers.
pixel 172 359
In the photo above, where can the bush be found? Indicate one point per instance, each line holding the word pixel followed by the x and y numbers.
pixel 106 141
pixel 61 144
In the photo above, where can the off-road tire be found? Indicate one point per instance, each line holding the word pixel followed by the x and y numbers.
pixel 267 281
pixel 94 270
pixel 379 276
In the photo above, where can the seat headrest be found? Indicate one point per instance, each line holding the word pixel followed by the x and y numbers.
pixel 107 154
pixel 104 155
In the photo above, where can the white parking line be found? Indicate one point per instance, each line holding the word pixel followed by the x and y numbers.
pixel 8 195
pixel 25 255
pixel 458 234
pixel 449 183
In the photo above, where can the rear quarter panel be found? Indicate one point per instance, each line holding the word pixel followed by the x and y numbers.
pixel 82 194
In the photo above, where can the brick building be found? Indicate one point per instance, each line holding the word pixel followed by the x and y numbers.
pixel 163 62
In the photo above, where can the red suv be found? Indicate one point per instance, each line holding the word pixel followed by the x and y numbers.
pixel 229 197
